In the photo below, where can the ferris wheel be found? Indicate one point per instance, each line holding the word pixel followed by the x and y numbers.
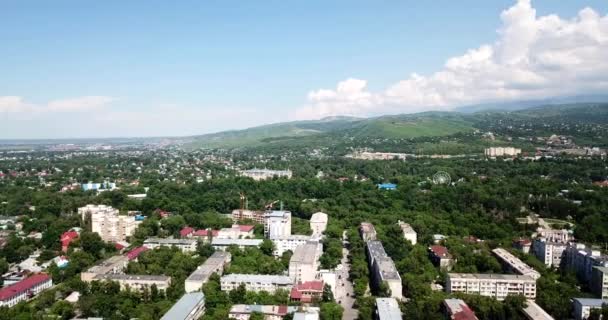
pixel 441 177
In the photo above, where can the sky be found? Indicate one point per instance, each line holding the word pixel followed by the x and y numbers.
pixel 113 68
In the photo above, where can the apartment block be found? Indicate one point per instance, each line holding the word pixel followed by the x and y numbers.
pixel 243 214
pixel 277 224
pixel 24 289
pixel 185 245
pixel 304 262
pixel 497 286
pixel 191 306
pixel 112 265
pixel 290 243
pixel 549 252
pixel 456 309
pixel 514 264
pixel 555 235
pixel 108 223
pixel 387 309
pixel 441 257
pixel 599 282
pixel 236 232
pixel 583 306
pixel 408 232
pixel 224 244
pixel 214 264
pixel 582 260
pixel 136 282
pixel 501 152
pixel 534 312
pixel 318 223
pixel 367 231
pixel 383 269
pixel 256 282
pixel 263 174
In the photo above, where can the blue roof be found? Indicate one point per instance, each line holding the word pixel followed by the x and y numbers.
pixel 387 186
pixel 184 306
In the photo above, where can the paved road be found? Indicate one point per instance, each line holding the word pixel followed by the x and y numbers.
pixel 345 288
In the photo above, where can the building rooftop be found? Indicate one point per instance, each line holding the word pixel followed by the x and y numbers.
pixel 22 286
pixel 306 253
pixel 376 249
pixel 319 217
pixel 133 254
pixel 388 309
pixel 388 271
pixel 591 302
pixel 109 264
pixel 265 309
pixel 261 278
pixel 490 276
pixel 534 311
pixel 440 251
pixel 212 263
pixel 276 213
pixel 237 242
pixel 515 263
pixel 142 277
pixel 459 310
pixel 182 308
pixel 171 241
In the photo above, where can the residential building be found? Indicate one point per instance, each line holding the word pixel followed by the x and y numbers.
pixel 256 282
pixel 304 262
pixel 387 309
pixel 236 232
pixel 185 245
pixel 582 260
pixel 133 254
pixel 456 309
pixel 98 186
pixel 91 209
pixel 549 252
pixel 24 289
pixel 191 306
pixel 136 282
pixel 307 292
pixel 514 264
pixel 534 312
pixel 408 232
pixel 242 214
pixel 224 244
pixel 263 174
pixel 522 244
pixel 583 306
pixel 66 238
pixel 270 312
pixel 599 282
pixel 214 264
pixel 366 155
pixel 186 232
pixel 555 235
pixel 291 242
pixel 277 224
pixel 112 265
pixel 497 286
pixel 367 231
pixel 383 269
pixel 502 152
pixel 108 223
pixel 440 256
pixel 318 223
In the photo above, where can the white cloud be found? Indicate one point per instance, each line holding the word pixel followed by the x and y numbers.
pixel 533 58
pixel 16 104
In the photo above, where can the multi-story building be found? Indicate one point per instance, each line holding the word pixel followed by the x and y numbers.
pixel 24 289
pixel 214 264
pixel 304 262
pixel 383 269
pixel 408 232
pixel 599 282
pixel 583 307
pixel 270 312
pixel 108 223
pixel 136 281
pixel 497 286
pixel 243 214
pixel 387 309
pixel 277 224
pixel 367 231
pixel 236 232
pixel 555 235
pixel 256 282
pixel 307 292
pixel 285 243
pixel 582 260
pixel 440 256
pixel 532 311
pixel 224 244
pixel 263 174
pixel 514 264
pixel 191 306
pixel 456 309
pixel 185 245
pixel 549 252
pixel 522 244
pixel 502 152
pixel 318 223
pixel 112 265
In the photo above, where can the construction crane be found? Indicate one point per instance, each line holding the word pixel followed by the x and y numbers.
pixel 269 206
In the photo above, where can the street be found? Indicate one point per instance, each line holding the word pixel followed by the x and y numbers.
pixel 344 293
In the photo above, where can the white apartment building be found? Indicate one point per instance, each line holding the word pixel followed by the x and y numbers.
pixel 285 243
pixel 408 232
pixel 549 252
pixel 236 232
pixel 555 235
pixel 497 286
pixel 256 282
pixel 378 155
pixel 224 244
pixel 304 262
pixel 318 223
pixel 24 289
pixel 277 224
pixel 136 282
pixel 367 231
pixel 383 269
pixel 387 309
pixel 214 264
pixel 583 307
pixel 112 265
pixel 501 152
pixel 91 209
pixel 107 222
pixel 534 312
pixel 263 174
pixel 515 264
pixel 244 214
pixel 191 306
pixel 185 245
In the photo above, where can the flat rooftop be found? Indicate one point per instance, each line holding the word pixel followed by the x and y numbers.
pixel 306 253
pixel 388 309
pixel 238 242
pixel 142 277
pixel 184 306
pixel 490 276
pixel 534 311
pixel 261 278
pixel 171 241
pixel 204 271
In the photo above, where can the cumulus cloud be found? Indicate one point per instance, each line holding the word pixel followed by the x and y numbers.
pixel 534 57
pixel 16 104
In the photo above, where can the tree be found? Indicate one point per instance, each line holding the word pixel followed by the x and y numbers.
pixel 238 295
pixel 267 247
pixel 327 296
pixel 91 243
pixel 331 311
pixel 256 316
pixel 63 309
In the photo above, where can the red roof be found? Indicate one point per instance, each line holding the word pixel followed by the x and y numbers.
pixel 22 286
pixel 133 254
pixel 204 233
pixel 68 236
pixel 465 314
pixel 186 231
pixel 314 286
pixel 440 251
pixel 282 310
pixel 245 228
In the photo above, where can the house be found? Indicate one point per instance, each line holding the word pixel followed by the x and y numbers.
pixel 307 292
pixel 66 238
pixel 441 257
pixel 186 232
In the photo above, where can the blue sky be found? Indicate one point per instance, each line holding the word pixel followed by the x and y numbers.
pixel 155 68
